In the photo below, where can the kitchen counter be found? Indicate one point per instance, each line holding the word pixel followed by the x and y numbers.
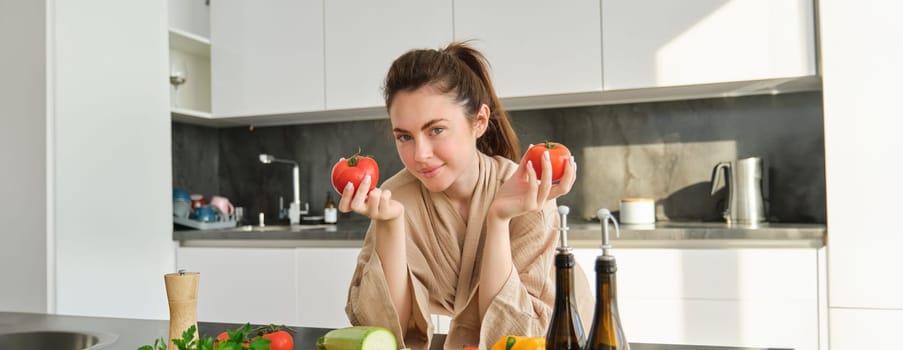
pixel 689 235
pixel 129 334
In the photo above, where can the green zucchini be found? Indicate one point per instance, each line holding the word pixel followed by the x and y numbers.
pixel 358 338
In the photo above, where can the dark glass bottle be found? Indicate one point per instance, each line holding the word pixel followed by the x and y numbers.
pixel 330 212
pixel 565 329
pixel 606 332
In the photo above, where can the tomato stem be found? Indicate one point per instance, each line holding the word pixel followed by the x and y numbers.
pixel 550 144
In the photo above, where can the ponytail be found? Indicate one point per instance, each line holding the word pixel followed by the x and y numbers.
pixel 461 71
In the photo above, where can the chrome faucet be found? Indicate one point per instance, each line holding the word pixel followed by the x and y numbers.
pixel 294 211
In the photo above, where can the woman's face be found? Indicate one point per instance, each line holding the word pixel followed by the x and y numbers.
pixel 435 139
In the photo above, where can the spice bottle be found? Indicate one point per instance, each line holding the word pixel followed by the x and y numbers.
pixel 330 212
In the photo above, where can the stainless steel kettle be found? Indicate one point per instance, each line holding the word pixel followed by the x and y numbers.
pixel 745 184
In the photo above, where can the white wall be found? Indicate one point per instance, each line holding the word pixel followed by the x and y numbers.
pixel 112 158
pixel 22 163
pixel 862 71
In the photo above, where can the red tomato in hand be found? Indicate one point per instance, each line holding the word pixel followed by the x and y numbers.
pixel 353 169
pixel 280 340
pixel 558 154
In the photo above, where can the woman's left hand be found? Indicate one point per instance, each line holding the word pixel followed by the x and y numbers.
pixel 523 192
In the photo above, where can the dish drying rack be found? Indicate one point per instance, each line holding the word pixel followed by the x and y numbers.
pixel 228 221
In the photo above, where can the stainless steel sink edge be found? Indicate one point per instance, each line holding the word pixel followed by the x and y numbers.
pixel 104 340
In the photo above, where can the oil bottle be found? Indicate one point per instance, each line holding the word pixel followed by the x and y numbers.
pixel 565 330
pixel 606 333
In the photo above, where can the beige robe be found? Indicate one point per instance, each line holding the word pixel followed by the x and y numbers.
pixel 444 255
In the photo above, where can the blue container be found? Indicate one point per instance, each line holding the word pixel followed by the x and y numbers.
pixel 180 194
pixel 204 214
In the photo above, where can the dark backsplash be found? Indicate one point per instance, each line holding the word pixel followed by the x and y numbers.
pixel 664 150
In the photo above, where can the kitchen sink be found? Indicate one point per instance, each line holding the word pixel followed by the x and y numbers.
pixel 54 340
pixel 284 228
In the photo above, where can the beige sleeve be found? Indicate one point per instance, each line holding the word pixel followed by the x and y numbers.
pixel 369 302
pixel 524 304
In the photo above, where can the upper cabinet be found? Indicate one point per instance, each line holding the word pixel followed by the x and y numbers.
pixel 661 43
pixel 364 37
pixel 535 47
pixel 189 60
pixel 287 62
pixel 267 57
pixel 190 16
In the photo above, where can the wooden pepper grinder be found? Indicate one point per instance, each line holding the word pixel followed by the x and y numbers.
pixel 182 292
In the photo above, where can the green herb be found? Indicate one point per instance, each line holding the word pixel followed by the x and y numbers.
pixel 238 339
pixel 273 328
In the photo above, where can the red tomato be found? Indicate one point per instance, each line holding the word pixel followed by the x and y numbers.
pixel 225 336
pixel 353 169
pixel 221 336
pixel 280 340
pixel 558 153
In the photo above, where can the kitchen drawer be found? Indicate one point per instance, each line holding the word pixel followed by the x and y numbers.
pixel 759 323
pixel 728 274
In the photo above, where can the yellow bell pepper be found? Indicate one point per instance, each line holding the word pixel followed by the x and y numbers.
pixel 512 342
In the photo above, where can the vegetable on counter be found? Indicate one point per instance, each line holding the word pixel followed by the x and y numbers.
pixel 512 342
pixel 279 336
pixel 271 337
pixel 358 338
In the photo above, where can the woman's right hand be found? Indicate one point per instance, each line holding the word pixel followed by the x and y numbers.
pixel 378 205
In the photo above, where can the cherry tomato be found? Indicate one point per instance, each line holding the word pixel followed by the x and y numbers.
pixel 353 169
pixel 280 340
pixel 223 337
pixel 558 154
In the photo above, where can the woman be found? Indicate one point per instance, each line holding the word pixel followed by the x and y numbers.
pixel 462 230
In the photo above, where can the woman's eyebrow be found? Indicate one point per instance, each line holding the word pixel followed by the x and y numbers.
pixel 424 127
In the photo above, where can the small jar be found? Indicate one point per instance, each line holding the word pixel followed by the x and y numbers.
pixel 637 211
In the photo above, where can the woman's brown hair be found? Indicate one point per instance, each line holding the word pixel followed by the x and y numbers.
pixel 461 71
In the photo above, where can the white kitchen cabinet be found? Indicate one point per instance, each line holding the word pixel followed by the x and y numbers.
pixel 863 328
pixel 739 297
pixel 535 47
pixel 862 132
pixel 85 110
pixel 659 43
pixel 364 38
pixel 294 286
pixel 189 60
pixel 190 16
pixel 241 285
pixel 324 275
pixel 267 57
pixel 24 143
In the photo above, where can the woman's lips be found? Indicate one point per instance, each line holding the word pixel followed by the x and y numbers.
pixel 431 172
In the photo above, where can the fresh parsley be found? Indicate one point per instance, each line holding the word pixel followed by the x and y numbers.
pixel 238 339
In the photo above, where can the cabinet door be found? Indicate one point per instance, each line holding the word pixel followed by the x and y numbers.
pixel 738 297
pixel 192 16
pixel 267 57
pixel 652 43
pixel 241 285
pixel 364 37
pixel 324 275
pixel 535 47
